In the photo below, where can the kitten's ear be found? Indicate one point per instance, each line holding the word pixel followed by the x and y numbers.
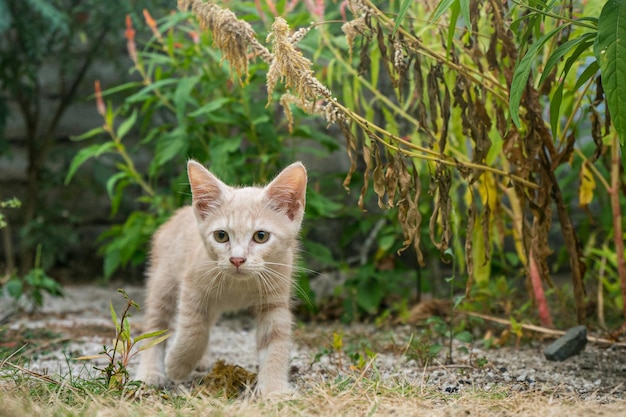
pixel 287 193
pixel 206 189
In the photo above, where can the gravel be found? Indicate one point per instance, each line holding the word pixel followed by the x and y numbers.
pixel 80 324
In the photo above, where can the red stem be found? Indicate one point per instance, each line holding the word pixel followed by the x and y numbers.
pixel 618 233
pixel 540 295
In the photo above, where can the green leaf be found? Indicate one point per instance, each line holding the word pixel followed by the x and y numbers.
pixel 455 11
pixel 125 335
pixel 211 106
pixel 386 242
pixel 113 180
pixel 557 97
pixel 127 125
pixel 464 336
pixel 521 73
pixel 404 8
pixel 93 132
pixel 560 52
pixel 114 317
pixel 145 92
pixel 15 288
pixel 169 146
pixel 150 335
pixel 182 96
pixel 555 108
pixel 610 51
pixel 112 261
pixel 83 155
pixel 153 342
pixel 586 74
pixel 441 8
pixel 465 12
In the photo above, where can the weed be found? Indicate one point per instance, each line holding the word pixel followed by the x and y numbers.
pixel 33 285
pixel 421 349
pixel 116 374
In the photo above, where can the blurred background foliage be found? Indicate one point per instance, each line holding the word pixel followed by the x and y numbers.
pixel 436 80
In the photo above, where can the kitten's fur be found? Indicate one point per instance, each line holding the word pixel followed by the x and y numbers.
pixel 210 258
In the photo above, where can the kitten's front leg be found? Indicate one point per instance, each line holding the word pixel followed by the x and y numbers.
pixel 273 342
pixel 191 338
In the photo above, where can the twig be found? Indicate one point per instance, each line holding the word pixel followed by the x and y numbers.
pixel 37 375
pixel 543 330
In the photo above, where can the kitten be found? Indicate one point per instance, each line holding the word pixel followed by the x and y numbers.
pixel 233 249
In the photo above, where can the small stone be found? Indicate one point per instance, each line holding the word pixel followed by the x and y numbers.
pixel 570 344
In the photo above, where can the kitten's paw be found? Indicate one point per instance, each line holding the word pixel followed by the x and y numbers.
pixel 204 365
pixel 177 371
pixel 274 390
pixel 153 378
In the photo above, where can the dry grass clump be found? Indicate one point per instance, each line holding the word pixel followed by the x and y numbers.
pixel 360 398
pixel 227 380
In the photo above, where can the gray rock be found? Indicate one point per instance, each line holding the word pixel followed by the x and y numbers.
pixel 570 344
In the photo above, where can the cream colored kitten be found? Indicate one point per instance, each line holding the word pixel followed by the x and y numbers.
pixel 232 249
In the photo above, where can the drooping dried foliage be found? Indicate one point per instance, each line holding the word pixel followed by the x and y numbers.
pixel 412 109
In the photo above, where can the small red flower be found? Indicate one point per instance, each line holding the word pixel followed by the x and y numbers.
pixel 152 24
pixel 99 101
pixel 130 39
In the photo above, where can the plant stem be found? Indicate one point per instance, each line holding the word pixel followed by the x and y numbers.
pixel 539 293
pixel 618 233
pixel 571 241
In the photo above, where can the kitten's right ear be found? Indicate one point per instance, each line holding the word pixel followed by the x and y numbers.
pixel 206 189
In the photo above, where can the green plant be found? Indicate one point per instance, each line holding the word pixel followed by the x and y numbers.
pixel 200 113
pixel 63 39
pixel 33 285
pixel 466 112
pixel 10 203
pixel 124 347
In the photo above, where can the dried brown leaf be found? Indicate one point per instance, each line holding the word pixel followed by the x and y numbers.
pixel 441 182
pixel 469 247
pixel 596 133
pixel 391 180
pixel 367 157
pixel 379 177
pixel 351 146
pixel 432 87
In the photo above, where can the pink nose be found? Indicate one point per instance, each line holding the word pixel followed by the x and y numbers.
pixel 237 261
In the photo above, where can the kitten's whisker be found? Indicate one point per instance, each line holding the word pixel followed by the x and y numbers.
pixel 267 283
pixel 273 274
pixel 296 268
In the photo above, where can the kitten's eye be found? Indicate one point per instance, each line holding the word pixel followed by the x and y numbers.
pixel 260 236
pixel 220 236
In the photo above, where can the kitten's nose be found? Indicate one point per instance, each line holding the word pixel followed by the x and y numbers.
pixel 237 261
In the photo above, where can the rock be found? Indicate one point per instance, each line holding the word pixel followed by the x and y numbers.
pixel 570 344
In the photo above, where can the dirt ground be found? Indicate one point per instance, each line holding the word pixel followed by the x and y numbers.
pixel 79 324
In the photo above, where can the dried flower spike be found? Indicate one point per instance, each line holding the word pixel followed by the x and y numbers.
pixel 231 35
pixel 291 66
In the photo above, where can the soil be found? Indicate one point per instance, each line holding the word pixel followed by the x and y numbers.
pixel 79 324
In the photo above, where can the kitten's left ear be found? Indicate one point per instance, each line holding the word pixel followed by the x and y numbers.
pixel 287 193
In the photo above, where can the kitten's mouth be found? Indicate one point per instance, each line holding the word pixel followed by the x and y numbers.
pixel 240 272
